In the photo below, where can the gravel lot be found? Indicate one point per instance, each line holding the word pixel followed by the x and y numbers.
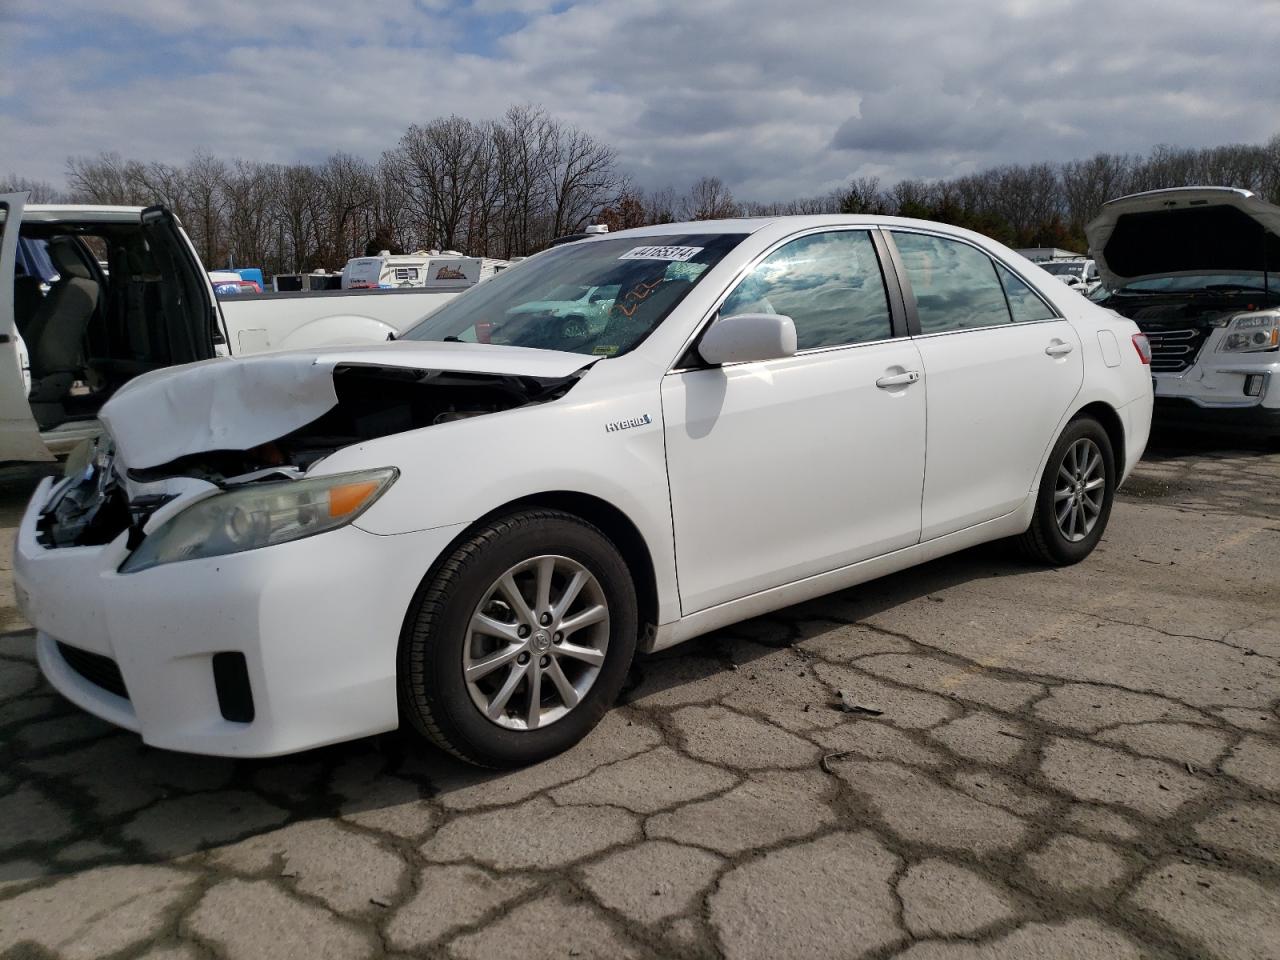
pixel 1081 762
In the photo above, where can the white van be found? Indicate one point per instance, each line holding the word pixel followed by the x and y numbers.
pixel 73 331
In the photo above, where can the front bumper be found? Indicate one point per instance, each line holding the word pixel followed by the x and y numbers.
pixel 1211 396
pixel 1254 420
pixel 318 622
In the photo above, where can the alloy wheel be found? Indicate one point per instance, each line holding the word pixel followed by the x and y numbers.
pixel 1079 492
pixel 536 642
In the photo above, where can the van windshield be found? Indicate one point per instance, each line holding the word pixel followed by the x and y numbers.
pixel 597 297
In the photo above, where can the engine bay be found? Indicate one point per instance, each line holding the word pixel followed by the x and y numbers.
pixel 91 507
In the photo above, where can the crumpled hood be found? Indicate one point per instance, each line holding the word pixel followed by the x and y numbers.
pixel 1184 231
pixel 240 403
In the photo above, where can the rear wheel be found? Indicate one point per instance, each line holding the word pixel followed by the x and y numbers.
pixel 1075 496
pixel 521 640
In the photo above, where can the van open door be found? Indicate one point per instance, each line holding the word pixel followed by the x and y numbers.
pixel 205 335
pixel 19 435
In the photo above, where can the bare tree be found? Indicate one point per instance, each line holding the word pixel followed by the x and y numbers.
pixel 206 176
pixel 521 140
pixel 661 206
pixel 708 199
pixel 1088 184
pixel 861 195
pixel 346 186
pixel 509 186
pixel 38 191
pixel 107 179
pixel 249 189
pixel 438 165
pixel 581 177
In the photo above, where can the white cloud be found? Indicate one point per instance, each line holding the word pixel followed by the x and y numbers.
pixel 779 100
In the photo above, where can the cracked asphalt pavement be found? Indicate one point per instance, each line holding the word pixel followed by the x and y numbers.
pixel 976 758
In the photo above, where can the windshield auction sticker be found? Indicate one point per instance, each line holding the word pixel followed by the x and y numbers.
pixel 678 254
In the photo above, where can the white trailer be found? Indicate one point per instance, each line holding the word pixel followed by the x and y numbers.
pixel 427 269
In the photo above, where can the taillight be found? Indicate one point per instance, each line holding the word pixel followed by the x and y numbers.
pixel 1143 346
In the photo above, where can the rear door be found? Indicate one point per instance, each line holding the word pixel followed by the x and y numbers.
pixel 197 330
pixel 19 435
pixel 1001 368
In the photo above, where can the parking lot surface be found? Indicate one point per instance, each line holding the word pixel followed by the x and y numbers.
pixel 976 758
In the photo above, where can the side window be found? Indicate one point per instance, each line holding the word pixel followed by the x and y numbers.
pixel 829 284
pixel 1024 304
pixel 955 285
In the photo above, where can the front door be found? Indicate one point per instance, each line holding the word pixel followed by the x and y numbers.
pixel 787 468
pixel 1000 371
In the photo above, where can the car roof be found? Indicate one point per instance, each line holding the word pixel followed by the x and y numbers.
pixel 793 223
pixel 80 213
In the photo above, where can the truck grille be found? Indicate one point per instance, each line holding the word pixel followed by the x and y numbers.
pixel 1173 351
pixel 97 669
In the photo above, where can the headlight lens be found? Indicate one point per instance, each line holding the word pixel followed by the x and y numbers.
pixel 1251 333
pixel 260 515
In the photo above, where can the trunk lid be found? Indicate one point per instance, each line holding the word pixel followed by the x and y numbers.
pixel 1185 231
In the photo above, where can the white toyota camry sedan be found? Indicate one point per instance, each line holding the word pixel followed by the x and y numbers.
pixel 473 530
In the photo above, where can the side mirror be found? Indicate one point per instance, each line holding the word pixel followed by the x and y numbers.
pixel 748 336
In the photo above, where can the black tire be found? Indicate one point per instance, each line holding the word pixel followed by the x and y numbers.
pixel 1044 541
pixel 433 692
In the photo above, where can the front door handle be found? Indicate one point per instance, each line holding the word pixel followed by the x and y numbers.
pixel 1058 348
pixel 898 379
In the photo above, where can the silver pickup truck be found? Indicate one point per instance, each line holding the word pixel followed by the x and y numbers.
pixel 93 296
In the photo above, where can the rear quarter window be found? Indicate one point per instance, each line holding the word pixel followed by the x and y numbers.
pixel 1025 304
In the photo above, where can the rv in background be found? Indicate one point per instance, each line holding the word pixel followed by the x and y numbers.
pixel 427 269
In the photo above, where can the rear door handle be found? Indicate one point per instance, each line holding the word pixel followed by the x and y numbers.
pixel 898 379
pixel 1058 348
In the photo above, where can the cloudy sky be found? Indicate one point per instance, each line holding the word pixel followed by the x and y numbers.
pixel 778 98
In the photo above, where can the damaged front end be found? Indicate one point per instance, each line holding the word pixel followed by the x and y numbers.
pixel 209 502
pixel 370 402
pixel 89 507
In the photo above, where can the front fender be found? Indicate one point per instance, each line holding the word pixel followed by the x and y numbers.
pixel 459 471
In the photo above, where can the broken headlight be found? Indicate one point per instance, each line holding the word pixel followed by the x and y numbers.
pixel 260 515
pixel 1252 332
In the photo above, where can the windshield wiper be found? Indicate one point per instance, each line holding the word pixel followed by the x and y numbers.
pixel 1227 287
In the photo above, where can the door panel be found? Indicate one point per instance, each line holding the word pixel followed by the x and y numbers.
pixel 995 399
pixel 789 468
pixel 19 435
pixel 197 329
pixel 1000 370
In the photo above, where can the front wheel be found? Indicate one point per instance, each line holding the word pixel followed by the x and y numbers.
pixel 521 641
pixel 1075 496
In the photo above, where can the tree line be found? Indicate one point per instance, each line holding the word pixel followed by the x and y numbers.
pixel 507 187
